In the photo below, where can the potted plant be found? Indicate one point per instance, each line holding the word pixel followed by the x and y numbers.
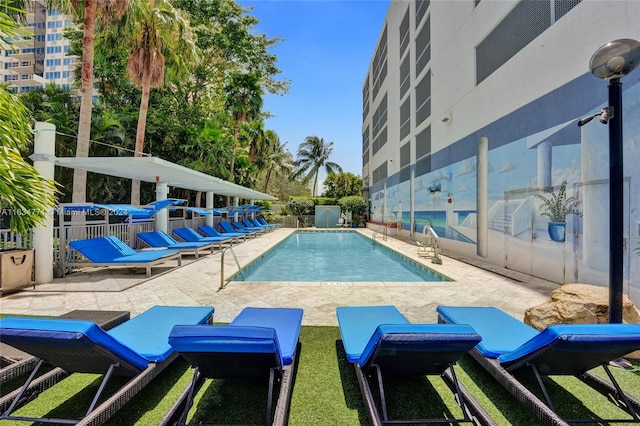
pixel 557 207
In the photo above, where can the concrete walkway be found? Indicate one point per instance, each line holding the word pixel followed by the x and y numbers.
pixel 198 282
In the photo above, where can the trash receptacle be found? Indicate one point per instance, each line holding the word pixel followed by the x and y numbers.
pixel 16 269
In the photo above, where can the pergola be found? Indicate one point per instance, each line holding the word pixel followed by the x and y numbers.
pixel 161 172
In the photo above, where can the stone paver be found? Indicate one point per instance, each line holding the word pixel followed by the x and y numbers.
pixel 198 282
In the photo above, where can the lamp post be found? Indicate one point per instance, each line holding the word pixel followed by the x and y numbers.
pixel 611 62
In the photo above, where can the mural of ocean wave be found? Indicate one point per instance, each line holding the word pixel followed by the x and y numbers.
pixel 438 221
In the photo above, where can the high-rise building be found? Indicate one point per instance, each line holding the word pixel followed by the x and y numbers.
pixel 39 53
pixel 470 110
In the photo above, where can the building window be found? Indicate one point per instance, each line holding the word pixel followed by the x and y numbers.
pixel 405 154
pixel 526 21
pixel 380 116
pixel 379 141
pixel 380 173
pixel 423 47
pixel 405 118
pixel 421 9
pixel 423 99
pixel 404 33
pixel 365 146
pixel 380 64
pixel 423 143
pixel 54 49
pixel 405 76
pixel 54 37
pixel 365 99
pixel 54 24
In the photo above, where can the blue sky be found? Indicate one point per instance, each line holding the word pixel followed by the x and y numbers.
pixel 326 52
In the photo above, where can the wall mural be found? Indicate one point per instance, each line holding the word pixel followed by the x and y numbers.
pixel 490 199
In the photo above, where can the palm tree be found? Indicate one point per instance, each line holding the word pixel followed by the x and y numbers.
pixel 313 154
pixel 108 11
pixel 243 100
pixel 278 161
pixel 160 38
pixel 22 187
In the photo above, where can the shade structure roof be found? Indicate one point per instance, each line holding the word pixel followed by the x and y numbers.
pixel 157 170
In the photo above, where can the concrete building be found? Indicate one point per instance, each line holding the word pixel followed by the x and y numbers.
pixel 470 110
pixel 39 53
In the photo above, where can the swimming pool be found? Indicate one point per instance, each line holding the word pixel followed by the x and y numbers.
pixel 335 256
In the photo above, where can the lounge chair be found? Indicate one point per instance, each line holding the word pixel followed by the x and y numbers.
pixel 260 343
pixel 261 221
pixel 248 224
pixel 111 251
pixel 226 228
pixel 510 348
pixel 190 235
pixel 380 342
pixel 158 239
pixel 241 227
pixel 210 231
pixel 137 348
pixel 16 363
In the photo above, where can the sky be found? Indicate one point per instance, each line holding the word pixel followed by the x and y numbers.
pixel 326 52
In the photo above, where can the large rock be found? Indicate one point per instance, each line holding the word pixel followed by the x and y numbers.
pixel 578 304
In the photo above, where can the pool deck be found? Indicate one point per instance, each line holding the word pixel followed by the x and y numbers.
pixel 197 282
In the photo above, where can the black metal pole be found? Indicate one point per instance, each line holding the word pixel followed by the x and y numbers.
pixel 616 203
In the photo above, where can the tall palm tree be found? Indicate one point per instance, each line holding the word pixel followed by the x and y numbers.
pixel 243 100
pixel 161 39
pixel 313 154
pixel 108 11
pixel 278 161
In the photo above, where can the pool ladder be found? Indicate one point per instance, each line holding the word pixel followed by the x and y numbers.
pixel 224 250
pixel 383 230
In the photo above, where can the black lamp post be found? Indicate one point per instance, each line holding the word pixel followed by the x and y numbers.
pixel 611 62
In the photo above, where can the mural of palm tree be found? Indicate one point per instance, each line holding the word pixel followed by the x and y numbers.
pixel 312 155
pixel 161 39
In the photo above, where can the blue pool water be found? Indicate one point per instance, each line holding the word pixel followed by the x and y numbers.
pixel 335 257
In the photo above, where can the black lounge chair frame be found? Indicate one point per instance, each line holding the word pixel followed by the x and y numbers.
pixel 95 415
pixel 544 410
pixel 221 366
pixel 431 363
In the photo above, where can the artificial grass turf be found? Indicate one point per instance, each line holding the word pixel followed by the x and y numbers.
pixel 326 392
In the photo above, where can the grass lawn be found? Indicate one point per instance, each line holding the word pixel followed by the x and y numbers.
pixel 326 392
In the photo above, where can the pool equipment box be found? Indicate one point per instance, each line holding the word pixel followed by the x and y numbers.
pixel 16 269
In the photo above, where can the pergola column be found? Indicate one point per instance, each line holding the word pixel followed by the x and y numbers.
pixel 43 160
pixel 209 205
pixel 162 217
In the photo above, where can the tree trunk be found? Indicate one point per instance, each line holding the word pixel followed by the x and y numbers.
pixel 84 126
pixel 236 127
pixel 142 125
pixel 266 179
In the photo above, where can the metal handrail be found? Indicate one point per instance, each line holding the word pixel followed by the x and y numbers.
pixel 382 229
pixel 224 250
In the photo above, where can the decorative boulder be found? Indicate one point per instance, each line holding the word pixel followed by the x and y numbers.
pixel 578 304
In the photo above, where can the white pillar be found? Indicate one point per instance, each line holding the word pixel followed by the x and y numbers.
pixel 44 154
pixel 482 198
pixel 162 217
pixel 208 196
pixel 544 164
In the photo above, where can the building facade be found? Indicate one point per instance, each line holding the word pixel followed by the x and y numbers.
pixel 470 110
pixel 39 54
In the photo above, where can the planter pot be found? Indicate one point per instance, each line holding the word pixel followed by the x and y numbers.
pixel 557 231
pixel 16 269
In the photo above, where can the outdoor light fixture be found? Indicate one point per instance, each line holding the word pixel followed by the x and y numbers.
pixel 605 114
pixel 611 62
